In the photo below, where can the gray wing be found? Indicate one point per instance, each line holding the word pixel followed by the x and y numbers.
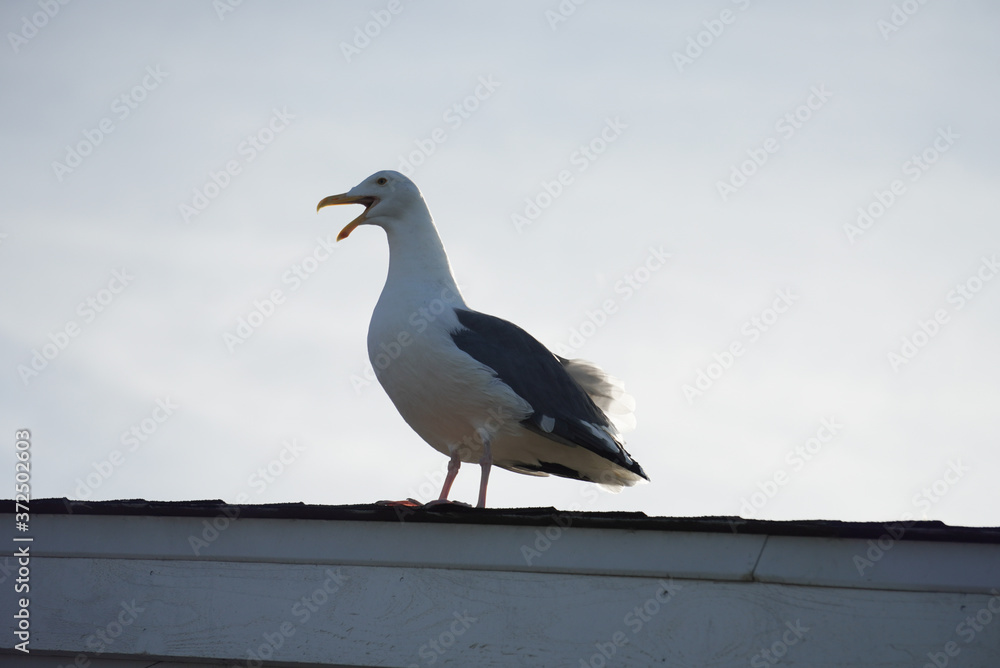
pixel 563 411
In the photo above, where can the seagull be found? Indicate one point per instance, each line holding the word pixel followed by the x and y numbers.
pixel 475 387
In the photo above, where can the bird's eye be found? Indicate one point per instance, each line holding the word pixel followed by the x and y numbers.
pixel 382 181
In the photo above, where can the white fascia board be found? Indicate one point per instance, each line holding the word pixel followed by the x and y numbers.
pixel 552 549
pixel 886 563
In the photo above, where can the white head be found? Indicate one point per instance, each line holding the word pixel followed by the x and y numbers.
pixel 387 197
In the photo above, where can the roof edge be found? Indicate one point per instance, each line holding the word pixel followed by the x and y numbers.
pixel 458 514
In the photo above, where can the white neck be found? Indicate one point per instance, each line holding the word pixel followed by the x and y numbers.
pixel 418 264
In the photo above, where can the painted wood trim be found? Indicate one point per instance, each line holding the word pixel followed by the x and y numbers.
pixel 302 614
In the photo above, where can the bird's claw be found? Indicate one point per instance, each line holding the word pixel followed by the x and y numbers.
pixel 445 502
pixel 413 503
pixel 409 503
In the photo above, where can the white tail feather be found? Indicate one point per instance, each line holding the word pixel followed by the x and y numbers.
pixel 607 392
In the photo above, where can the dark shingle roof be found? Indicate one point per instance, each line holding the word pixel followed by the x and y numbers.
pixel 454 514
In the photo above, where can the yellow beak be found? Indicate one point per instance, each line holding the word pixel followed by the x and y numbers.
pixel 334 200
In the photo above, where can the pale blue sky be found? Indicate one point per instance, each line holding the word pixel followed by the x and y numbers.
pixel 250 117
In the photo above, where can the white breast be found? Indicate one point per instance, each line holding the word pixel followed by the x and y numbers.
pixel 441 392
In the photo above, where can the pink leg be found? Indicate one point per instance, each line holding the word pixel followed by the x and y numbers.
pixel 453 465
pixel 485 462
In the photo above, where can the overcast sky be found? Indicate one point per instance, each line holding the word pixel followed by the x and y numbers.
pixel 775 221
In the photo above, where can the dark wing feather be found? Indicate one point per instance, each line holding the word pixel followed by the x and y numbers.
pixel 538 376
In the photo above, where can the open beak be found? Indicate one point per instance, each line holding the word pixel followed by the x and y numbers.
pixel 334 200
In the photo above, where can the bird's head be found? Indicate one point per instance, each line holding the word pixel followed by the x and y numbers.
pixel 386 196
